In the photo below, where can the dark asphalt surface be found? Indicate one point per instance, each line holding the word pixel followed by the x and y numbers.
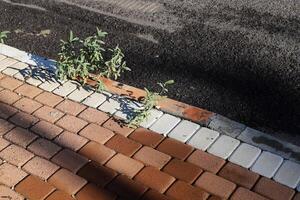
pixel 237 58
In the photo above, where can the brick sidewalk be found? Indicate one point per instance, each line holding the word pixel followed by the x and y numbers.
pixel 56 149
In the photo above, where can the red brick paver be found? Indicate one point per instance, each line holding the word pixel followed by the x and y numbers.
pixel 239 175
pixel 215 185
pixel 146 137
pixel 70 107
pixel 97 152
pixel 123 145
pixel 182 190
pixel 34 188
pixel 28 90
pixel 49 99
pixel 175 148
pixel 155 179
pixel 206 161
pixel 67 181
pixel 125 165
pixel 273 190
pixel 96 133
pixel 152 157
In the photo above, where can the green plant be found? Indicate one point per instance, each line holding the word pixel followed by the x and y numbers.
pixel 3 36
pixel 84 59
pixel 149 102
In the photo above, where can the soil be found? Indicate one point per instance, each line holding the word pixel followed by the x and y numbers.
pixel 243 63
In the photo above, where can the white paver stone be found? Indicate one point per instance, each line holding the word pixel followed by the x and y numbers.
pixel 6 63
pixel 2 57
pixel 226 126
pixel 224 146
pixel 96 99
pixel 165 124
pixel 245 155
pixel 153 117
pixel 267 164
pixel 11 51
pixel 127 108
pixel 268 143
pixel 66 88
pixel 50 85
pixel 34 81
pixel 203 138
pixel 184 131
pixel 288 174
pixel 15 68
pixel 80 94
pixel 19 76
pixel 111 105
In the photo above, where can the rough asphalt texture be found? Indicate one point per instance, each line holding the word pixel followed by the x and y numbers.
pixel 238 58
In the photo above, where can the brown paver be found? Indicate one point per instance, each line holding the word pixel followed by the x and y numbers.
pixel 9 194
pixel 123 145
pixel 70 160
pixel 7 111
pixel 16 155
pixel 40 167
pixel 5 126
pixel 152 157
pixel 273 190
pixel 215 185
pixel 239 175
pixel 70 107
pixel 297 196
pixel 28 90
pixel 117 126
pixel 154 179
pixel 44 148
pixel 97 174
pixel 70 140
pixel 59 195
pixel 146 137
pixel 206 161
pixel 9 97
pixel 93 115
pixel 46 129
pixel 27 105
pixel 245 194
pixel 3 143
pixel 92 192
pixel 11 175
pixel 125 165
pixel 71 123
pixel 49 99
pixel 97 152
pixel 175 148
pixel 34 188
pixel 10 83
pixel 23 119
pixel 20 136
pixel 67 181
pixel 96 133
pixel 127 188
pixel 181 190
pixel 49 114
pixel 183 170
pixel 154 195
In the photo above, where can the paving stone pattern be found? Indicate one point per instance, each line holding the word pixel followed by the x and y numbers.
pixel 58 156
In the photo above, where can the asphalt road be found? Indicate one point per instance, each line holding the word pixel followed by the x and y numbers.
pixel 239 58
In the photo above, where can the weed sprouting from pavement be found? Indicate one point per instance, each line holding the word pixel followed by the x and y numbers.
pixel 149 102
pixel 83 59
pixel 3 36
